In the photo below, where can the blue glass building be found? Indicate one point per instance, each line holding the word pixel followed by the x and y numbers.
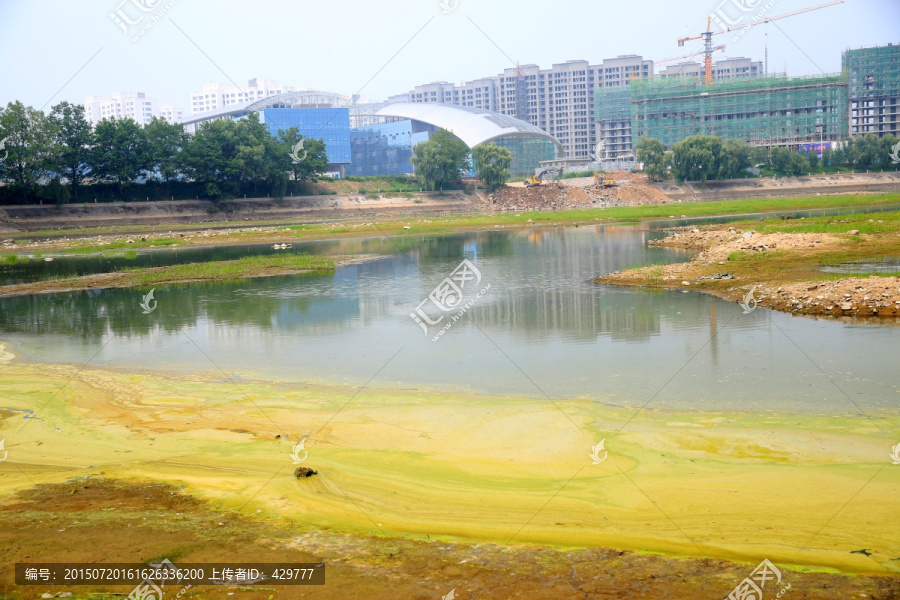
pixel 329 124
pixel 385 149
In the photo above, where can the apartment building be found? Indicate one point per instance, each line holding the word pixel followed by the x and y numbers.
pixel 480 93
pixel 729 68
pixel 133 105
pixel 873 76
pixel 559 100
pixel 215 95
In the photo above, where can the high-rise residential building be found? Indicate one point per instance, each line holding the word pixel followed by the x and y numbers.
pixel 762 111
pixel 613 106
pixel 559 100
pixel 215 95
pixel 480 93
pixel 729 68
pixel 133 105
pixel 874 87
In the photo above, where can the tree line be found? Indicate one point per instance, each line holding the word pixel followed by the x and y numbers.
pixel 440 161
pixel 61 156
pixel 703 157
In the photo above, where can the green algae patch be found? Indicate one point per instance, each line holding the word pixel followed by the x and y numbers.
pixel 507 470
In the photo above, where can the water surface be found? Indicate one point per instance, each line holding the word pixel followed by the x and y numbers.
pixel 543 329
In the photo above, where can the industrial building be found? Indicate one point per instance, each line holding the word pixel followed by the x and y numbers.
pixel 873 76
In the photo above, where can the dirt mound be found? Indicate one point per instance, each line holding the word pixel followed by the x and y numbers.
pixel 630 190
pixel 718 244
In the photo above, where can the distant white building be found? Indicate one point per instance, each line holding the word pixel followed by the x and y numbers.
pixel 215 95
pixel 729 68
pixel 133 105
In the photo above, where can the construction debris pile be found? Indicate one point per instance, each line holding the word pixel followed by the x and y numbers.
pixel 629 189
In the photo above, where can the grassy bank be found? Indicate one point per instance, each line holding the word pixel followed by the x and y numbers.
pixel 251 266
pixel 230 269
pixel 292 230
pixel 885 222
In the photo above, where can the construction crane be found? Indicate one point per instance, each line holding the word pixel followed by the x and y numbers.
pixel 706 36
pixel 671 58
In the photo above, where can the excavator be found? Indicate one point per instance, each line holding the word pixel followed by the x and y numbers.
pixel 539 178
pixel 602 181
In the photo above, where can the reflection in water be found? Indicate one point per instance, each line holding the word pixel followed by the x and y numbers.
pixel 543 316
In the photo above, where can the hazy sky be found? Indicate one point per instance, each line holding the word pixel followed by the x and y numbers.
pixel 52 50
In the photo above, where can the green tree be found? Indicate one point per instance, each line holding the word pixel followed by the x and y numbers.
pixel 798 164
pixel 492 164
pixel 865 152
pixel 74 139
pixel 440 160
pixel 759 156
pixel 210 158
pixel 827 158
pixel 652 153
pixel 230 158
pixel 165 144
pixel 813 158
pixel 120 153
pixel 840 156
pixel 311 160
pixel 781 160
pixel 28 146
pixel 734 160
pixel 697 158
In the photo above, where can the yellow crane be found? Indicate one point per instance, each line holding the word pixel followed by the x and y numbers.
pixel 706 36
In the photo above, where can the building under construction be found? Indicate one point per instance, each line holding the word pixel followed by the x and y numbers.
pixel 763 111
pixel 873 76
